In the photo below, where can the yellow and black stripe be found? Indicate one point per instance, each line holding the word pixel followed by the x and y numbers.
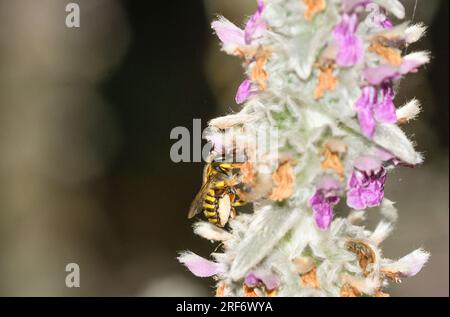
pixel 210 205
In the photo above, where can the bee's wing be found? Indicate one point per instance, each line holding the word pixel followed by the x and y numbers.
pixel 197 203
pixel 206 173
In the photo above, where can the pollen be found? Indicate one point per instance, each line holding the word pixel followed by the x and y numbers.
pixel 327 81
pixel 313 7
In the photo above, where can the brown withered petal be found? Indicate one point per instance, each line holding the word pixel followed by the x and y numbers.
pixel 313 7
pixel 364 253
pixel 259 74
pixel 249 291
pixel 247 172
pixel 391 55
pixel 327 82
pixel 333 162
pixel 310 279
pixel 220 291
pixel 245 53
pixel 349 291
pixel 272 293
pixel 393 276
pixel 381 294
pixel 283 179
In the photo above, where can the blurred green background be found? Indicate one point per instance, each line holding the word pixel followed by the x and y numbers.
pixel 85 118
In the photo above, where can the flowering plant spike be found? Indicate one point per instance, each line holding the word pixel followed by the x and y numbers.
pixel 320 83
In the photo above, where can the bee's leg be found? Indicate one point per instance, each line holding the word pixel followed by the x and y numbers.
pixel 233 181
pixel 227 167
pixel 214 220
pixel 225 184
pixel 233 212
pixel 220 185
pixel 239 203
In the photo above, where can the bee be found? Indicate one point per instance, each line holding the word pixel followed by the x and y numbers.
pixel 217 197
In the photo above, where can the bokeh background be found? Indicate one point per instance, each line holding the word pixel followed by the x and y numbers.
pixel 85 118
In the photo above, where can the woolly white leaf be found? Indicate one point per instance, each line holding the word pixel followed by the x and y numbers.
pixel 388 210
pixel 268 226
pixel 381 232
pixel 305 46
pixel 356 216
pixel 393 139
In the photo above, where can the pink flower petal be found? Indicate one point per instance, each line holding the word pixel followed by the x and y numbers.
pixel 367 163
pixel 366 184
pixel 256 277
pixel 350 45
pixel 228 33
pixel 385 111
pixel 199 266
pixel 382 73
pixel 377 75
pixel 256 25
pixel 244 91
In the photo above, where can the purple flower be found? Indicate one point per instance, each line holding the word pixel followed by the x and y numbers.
pixel 256 25
pixel 370 109
pixel 365 105
pixel 382 73
pixel 385 110
pixel 258 277
pixel 323 200
pixel 244 91
pixel 230 34
pixel 386 24
pixel 387 157
pixel 350 45
pixel 199 266
pixel 366 184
